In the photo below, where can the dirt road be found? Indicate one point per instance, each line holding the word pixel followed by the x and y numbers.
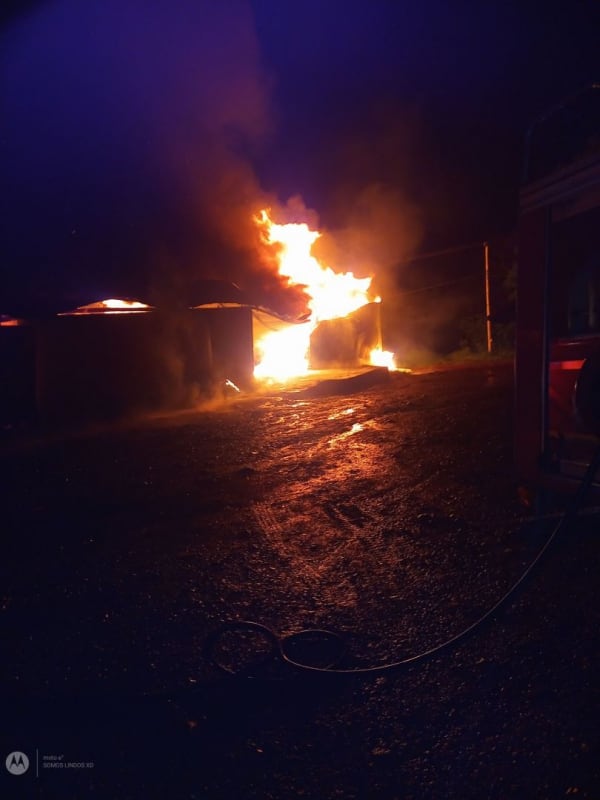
pixel 388 514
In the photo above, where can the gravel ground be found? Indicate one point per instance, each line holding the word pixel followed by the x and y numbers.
pixel 387 514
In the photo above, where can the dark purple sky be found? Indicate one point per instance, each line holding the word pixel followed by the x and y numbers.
pixel 138 136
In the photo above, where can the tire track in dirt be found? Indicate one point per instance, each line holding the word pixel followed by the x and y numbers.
pixel 313 553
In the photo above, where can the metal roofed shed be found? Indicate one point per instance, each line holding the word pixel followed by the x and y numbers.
pixel 107 360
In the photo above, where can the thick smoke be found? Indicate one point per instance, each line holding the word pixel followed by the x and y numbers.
pixel 382 228
pixel 130 133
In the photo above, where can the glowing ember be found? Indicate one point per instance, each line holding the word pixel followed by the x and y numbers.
pixel 284 354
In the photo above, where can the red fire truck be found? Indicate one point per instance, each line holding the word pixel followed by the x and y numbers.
pixel 558 314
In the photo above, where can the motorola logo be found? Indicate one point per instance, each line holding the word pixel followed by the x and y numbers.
pixel 17 763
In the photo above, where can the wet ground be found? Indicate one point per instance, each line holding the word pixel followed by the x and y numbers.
pixel 384 511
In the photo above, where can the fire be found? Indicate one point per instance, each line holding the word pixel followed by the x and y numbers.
pixel 382 358
pixel 284 354
pixel 10 322
pixel 110 306
pixel 124 304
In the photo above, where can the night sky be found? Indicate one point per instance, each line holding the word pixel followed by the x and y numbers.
pixel 138 138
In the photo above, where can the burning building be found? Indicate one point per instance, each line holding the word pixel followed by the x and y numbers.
pixel 115 357
pixel 110 358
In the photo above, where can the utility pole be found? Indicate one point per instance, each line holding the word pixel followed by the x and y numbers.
pixel 486 265
pixel 488 313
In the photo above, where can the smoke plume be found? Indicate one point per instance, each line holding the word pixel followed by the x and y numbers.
pixel 130 129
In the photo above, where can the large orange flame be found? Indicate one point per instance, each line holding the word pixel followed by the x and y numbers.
pixel 331 294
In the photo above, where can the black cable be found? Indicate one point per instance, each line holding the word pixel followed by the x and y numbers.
pixel 273 638
pixel 277 644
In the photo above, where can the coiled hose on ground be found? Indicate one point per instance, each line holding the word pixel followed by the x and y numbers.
pixel 286 648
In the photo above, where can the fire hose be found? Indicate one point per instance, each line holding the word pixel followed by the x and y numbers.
pixel 332 643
